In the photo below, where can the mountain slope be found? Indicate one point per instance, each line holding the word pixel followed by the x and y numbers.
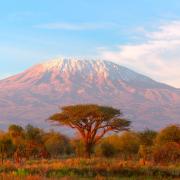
pixel 31 96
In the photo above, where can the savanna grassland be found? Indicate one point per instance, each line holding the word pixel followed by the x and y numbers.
pixel 32 153
pixel 95 168
pixel 130 155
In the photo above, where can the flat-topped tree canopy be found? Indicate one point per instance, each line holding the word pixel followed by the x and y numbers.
pixel 91 121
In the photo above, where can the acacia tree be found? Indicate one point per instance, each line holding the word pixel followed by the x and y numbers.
pixel 91 121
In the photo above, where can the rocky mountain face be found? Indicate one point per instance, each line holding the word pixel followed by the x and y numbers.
pixel 33 95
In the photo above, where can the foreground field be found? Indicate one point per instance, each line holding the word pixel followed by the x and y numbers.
pixel 87 169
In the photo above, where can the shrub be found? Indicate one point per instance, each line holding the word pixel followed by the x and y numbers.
pixel 145 152
pixel 169 134
pixel 169 152
pixel 147 137
pixel 106 149
pixel 129 143
pixel 57 144
pixel 78 147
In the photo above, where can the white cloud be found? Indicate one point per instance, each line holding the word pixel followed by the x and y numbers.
pixel 76 26
pixel 158 56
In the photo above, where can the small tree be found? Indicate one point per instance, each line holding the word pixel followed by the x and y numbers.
pixel 78 147
pixel 6 147
pixel 106 149
pixel 168 152
pixel 91 121
pixel 129 143
pixel 16 133
pixel 34 142
pixel 169 134
pixel 147 137
pixel 56 144
pixel 167 145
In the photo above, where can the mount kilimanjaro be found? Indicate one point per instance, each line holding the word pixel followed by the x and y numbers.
pixel 33 95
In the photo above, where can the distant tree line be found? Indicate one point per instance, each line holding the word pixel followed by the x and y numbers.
pixel 92 122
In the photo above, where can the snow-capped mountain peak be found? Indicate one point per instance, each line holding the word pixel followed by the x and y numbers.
pixel 38 92
pixel 99 69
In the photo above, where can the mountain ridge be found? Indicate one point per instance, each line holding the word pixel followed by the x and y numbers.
pixel 34 94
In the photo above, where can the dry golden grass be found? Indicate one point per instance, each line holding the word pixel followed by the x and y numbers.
pixel 79 168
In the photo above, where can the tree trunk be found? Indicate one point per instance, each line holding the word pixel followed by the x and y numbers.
pixel 2 156
pixel 88 150
pixel 2 159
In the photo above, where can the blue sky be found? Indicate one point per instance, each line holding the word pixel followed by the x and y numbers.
pixel 143 35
